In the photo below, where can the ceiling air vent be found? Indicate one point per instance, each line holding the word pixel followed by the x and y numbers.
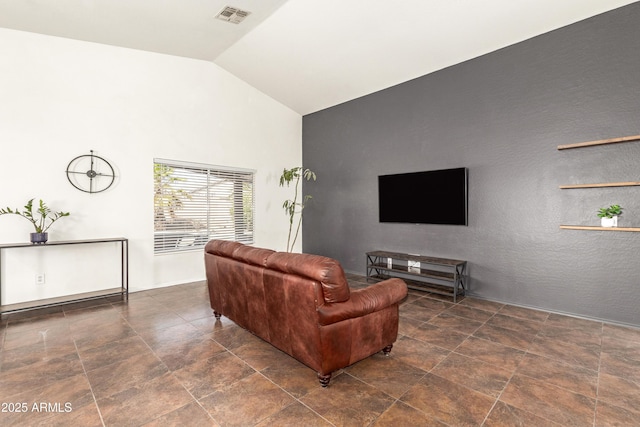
pixel 232 14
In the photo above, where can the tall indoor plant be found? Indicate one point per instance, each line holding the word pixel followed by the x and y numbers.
pixel 293 207
pixel 39 222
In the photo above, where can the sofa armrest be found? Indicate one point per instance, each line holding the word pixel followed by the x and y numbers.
pixel 364 301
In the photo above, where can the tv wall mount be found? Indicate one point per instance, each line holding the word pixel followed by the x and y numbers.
pixel 90 173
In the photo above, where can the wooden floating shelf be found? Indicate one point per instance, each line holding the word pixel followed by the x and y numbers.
pixel 603 184
pixel 600 142
pixel 588 227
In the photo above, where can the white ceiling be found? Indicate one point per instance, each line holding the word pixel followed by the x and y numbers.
pixel 308 54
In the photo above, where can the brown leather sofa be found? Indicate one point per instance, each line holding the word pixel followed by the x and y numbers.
pixel 302 304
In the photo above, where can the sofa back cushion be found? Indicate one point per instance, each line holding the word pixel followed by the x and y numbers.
pixel 222 247
pixel 251 255
pixel 325 270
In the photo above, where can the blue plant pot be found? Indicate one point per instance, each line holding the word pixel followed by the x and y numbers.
pixel 39 238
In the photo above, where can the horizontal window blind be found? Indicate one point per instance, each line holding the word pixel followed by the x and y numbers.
pixel 194 203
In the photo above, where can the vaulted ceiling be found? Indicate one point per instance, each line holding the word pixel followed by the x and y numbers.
pixel 308 54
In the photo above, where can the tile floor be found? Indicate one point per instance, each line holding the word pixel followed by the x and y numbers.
pixel 161 359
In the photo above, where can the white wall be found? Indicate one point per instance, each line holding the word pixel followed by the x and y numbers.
pixel 60 98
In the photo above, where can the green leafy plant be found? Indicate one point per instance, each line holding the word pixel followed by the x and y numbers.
pixel 293 207
pixel 39 222
pixel 168 196
pixel 610 212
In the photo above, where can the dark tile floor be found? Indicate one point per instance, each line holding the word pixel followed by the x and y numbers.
pixel 161 359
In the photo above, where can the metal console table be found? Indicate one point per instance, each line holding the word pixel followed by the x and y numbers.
pixel 436 275
pixel 123 290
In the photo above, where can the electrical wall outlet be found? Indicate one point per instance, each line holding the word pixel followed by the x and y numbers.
pixel 39 278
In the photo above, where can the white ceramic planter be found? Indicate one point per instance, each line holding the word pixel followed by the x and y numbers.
pixel 609 222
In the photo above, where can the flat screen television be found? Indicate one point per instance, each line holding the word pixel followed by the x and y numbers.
pixel 428 197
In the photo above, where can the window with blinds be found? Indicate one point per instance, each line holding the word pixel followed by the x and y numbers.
pixel 194 203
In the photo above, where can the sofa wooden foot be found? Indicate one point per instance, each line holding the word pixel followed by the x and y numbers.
pixel 218 315
pixel 324 379
pixel 387 349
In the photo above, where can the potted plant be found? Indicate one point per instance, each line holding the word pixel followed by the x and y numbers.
pixel 609 216
pixel 293 207
pixel 39 223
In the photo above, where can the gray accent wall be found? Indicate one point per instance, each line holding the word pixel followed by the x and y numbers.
pixel 502 116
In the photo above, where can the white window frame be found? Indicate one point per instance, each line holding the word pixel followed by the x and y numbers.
pixel 195 202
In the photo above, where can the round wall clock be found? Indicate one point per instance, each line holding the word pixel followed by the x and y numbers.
pixel 90 173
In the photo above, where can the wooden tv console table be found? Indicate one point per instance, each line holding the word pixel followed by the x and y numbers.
pixel 436 275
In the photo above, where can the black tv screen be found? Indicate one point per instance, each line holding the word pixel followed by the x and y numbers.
pixel 429 197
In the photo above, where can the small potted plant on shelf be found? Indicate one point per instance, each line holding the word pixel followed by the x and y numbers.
pixel 609 216
pixel 39 223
